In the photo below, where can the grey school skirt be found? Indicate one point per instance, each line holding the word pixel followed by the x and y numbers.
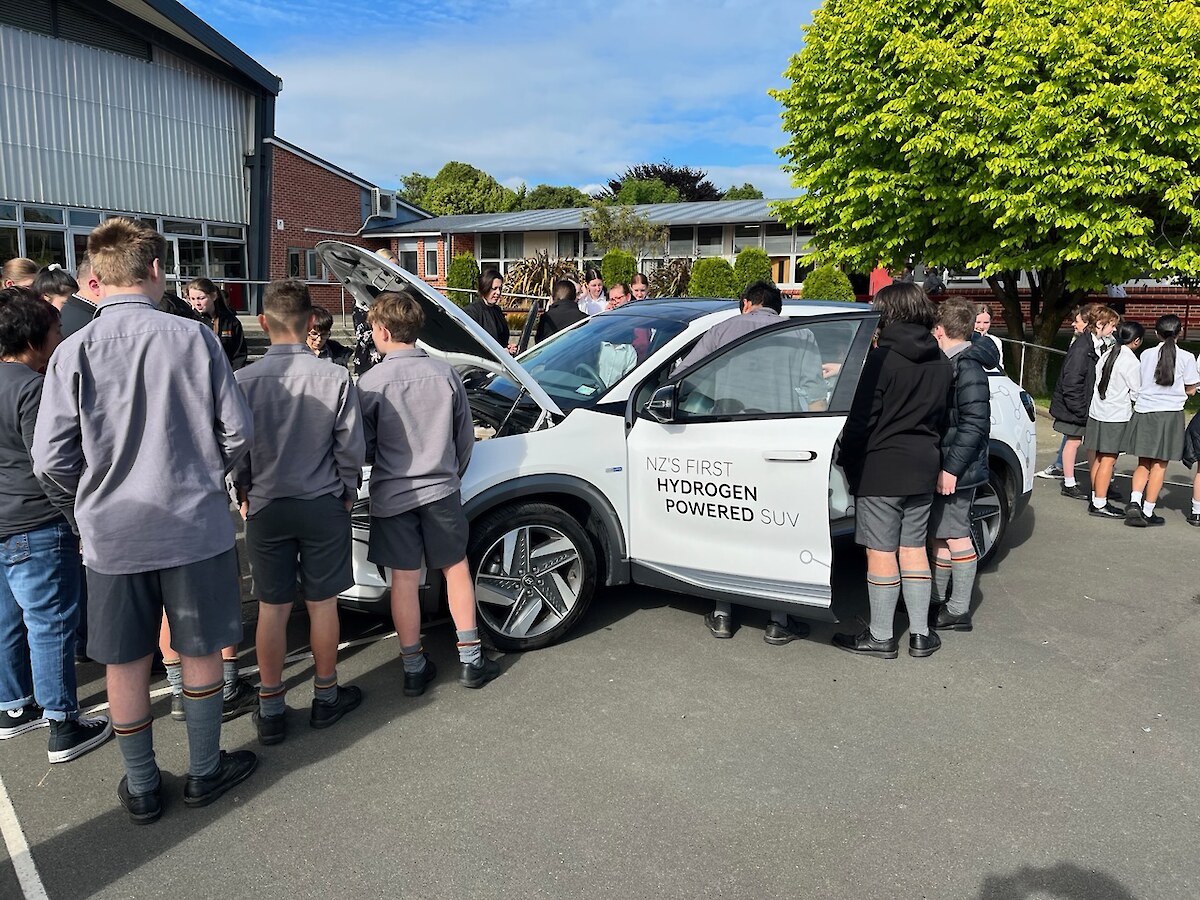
pixel 1155 435
pixel 1105 437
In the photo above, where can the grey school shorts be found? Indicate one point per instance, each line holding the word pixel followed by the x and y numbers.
pixel 950 516
pixel 203 602
pixel 437 531
pixel 889 523
pixel 300 543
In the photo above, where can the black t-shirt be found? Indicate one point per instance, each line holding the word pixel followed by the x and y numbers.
pixel 24 504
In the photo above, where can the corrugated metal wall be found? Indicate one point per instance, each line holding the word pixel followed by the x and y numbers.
pixel 86 127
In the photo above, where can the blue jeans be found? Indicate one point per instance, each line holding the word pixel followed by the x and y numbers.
pixel 40 576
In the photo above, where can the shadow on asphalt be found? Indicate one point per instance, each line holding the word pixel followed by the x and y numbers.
pixel 1064 881
pixel 116 847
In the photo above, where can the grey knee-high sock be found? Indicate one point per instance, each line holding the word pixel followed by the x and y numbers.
pixel 965 564
pixel 413 658
pixel 203 705
pixel 470 650
pixel 136 743
pixel 325 688
pixel 174 675
pixel 916 599
pixel 941 579
pixel 271 700
pixel 884 593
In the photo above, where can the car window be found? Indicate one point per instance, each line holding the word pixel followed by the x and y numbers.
pixel 576 367
pixel 780 371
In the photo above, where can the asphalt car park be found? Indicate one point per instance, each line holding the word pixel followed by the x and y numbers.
pixel 1048 754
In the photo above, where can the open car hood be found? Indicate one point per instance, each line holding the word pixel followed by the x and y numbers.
pixel 448 333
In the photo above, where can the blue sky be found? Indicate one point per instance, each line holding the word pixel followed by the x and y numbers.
pixel 528 90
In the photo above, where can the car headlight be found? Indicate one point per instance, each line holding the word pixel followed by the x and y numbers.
pixel 1027 402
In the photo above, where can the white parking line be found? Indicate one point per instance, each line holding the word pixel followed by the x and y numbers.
pixel 18 850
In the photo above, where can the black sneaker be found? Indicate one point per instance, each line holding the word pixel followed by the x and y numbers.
pixel 476 675
pixel 416 682
pixel 18 721
pixel 1051 471
pixel 271 729
pixel 142 808
pixel 178 710
pixel 325 714
pixel 1193 519
pixel 233 769
pixel 244 700
pixel 71 738
pixel 1075 492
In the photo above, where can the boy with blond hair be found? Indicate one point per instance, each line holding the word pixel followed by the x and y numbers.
pixel 297 486
pixel 419 438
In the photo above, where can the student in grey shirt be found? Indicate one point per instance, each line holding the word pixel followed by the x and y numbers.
pixel 140 419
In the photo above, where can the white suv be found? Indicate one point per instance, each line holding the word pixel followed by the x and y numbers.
pixel 596 464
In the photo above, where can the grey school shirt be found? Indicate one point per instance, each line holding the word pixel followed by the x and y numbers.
pixel 418 429
pixel 140 420
pixel 308 436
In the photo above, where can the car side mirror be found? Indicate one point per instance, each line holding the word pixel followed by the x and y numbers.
pixel 661 407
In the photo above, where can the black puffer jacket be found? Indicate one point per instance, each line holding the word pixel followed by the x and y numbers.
pixel 965 443
pixel 891 442
pixel 1076 381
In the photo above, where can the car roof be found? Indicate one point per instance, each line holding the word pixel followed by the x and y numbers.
pixel 686 309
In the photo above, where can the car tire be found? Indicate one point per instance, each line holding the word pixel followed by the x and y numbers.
pixel 534 570
pixel 991 512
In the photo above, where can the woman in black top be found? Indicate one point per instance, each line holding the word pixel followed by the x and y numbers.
pixel 209 301
pixel 485 309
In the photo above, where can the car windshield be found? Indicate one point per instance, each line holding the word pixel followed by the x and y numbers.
pixel 577 367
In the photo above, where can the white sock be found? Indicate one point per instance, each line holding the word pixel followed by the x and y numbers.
pixel 1099 502
pixel 1148 509
pixel 1135 498
pixel 1068 481
pixel 1196 507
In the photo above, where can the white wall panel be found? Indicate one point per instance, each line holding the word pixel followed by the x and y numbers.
pixel 86 127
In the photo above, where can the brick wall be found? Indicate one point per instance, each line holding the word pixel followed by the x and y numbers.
pixel 305 195
pixel 1142 304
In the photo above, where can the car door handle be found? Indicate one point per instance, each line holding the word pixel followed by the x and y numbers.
pixel 790 455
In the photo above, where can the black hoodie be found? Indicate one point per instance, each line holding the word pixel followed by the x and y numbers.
pixel 890 445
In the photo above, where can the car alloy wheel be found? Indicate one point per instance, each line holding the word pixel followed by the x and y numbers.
pixel 535 572
pixel 989 516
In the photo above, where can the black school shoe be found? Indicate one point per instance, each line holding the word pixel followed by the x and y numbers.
pixel 944 620
pixel 1075 492
pixel 721 627
pixel 271 729
pixel 865 644
pixel 416 682
pixel 1193 519
pixel 922 645
pixel 142 808
pixel 777 635
pixel 244 700
pixel 233 769
pixel 71 738
pixel 325 713
pixel 1104 512
pixel 476 675
pixel 1136 518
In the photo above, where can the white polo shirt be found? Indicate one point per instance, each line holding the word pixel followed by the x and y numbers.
pixel 1155 397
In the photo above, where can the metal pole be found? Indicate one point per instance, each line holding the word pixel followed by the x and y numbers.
pixel 1021 377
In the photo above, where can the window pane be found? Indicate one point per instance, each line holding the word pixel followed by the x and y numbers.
pixel 9 246
pixel 408 260
pixel 225 231
pixel 590 248
pixel 568 245
pixel 45 247
pixel 710 240
pixel 514 245
pixel 227 261
pixel 431 267
pixel 8 213
pixel 682 241
pixel 79 245
pixel 406 244
pixel 775 373
pixel 746 236
pixel 82 218
pixel 312 266
pixel 489 246
pixel 43 215
pixel 293 265
pixel 778 239
pixel 191 259
pixel 174 226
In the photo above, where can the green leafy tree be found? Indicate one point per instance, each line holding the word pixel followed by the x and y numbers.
pixel 462 275
pixel 1054 140
pixel 413 188
pixel 712 276
pixel 746 192
pixel 459 189
pixel 546 196
pixel 750 265
pixel 828 282
pixel 618 265
pixel 617 227
pixel 635 191
pixel 692 184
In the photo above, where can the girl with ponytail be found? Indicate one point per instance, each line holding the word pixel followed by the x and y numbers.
pixel 1118 382
pixel 1155 435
